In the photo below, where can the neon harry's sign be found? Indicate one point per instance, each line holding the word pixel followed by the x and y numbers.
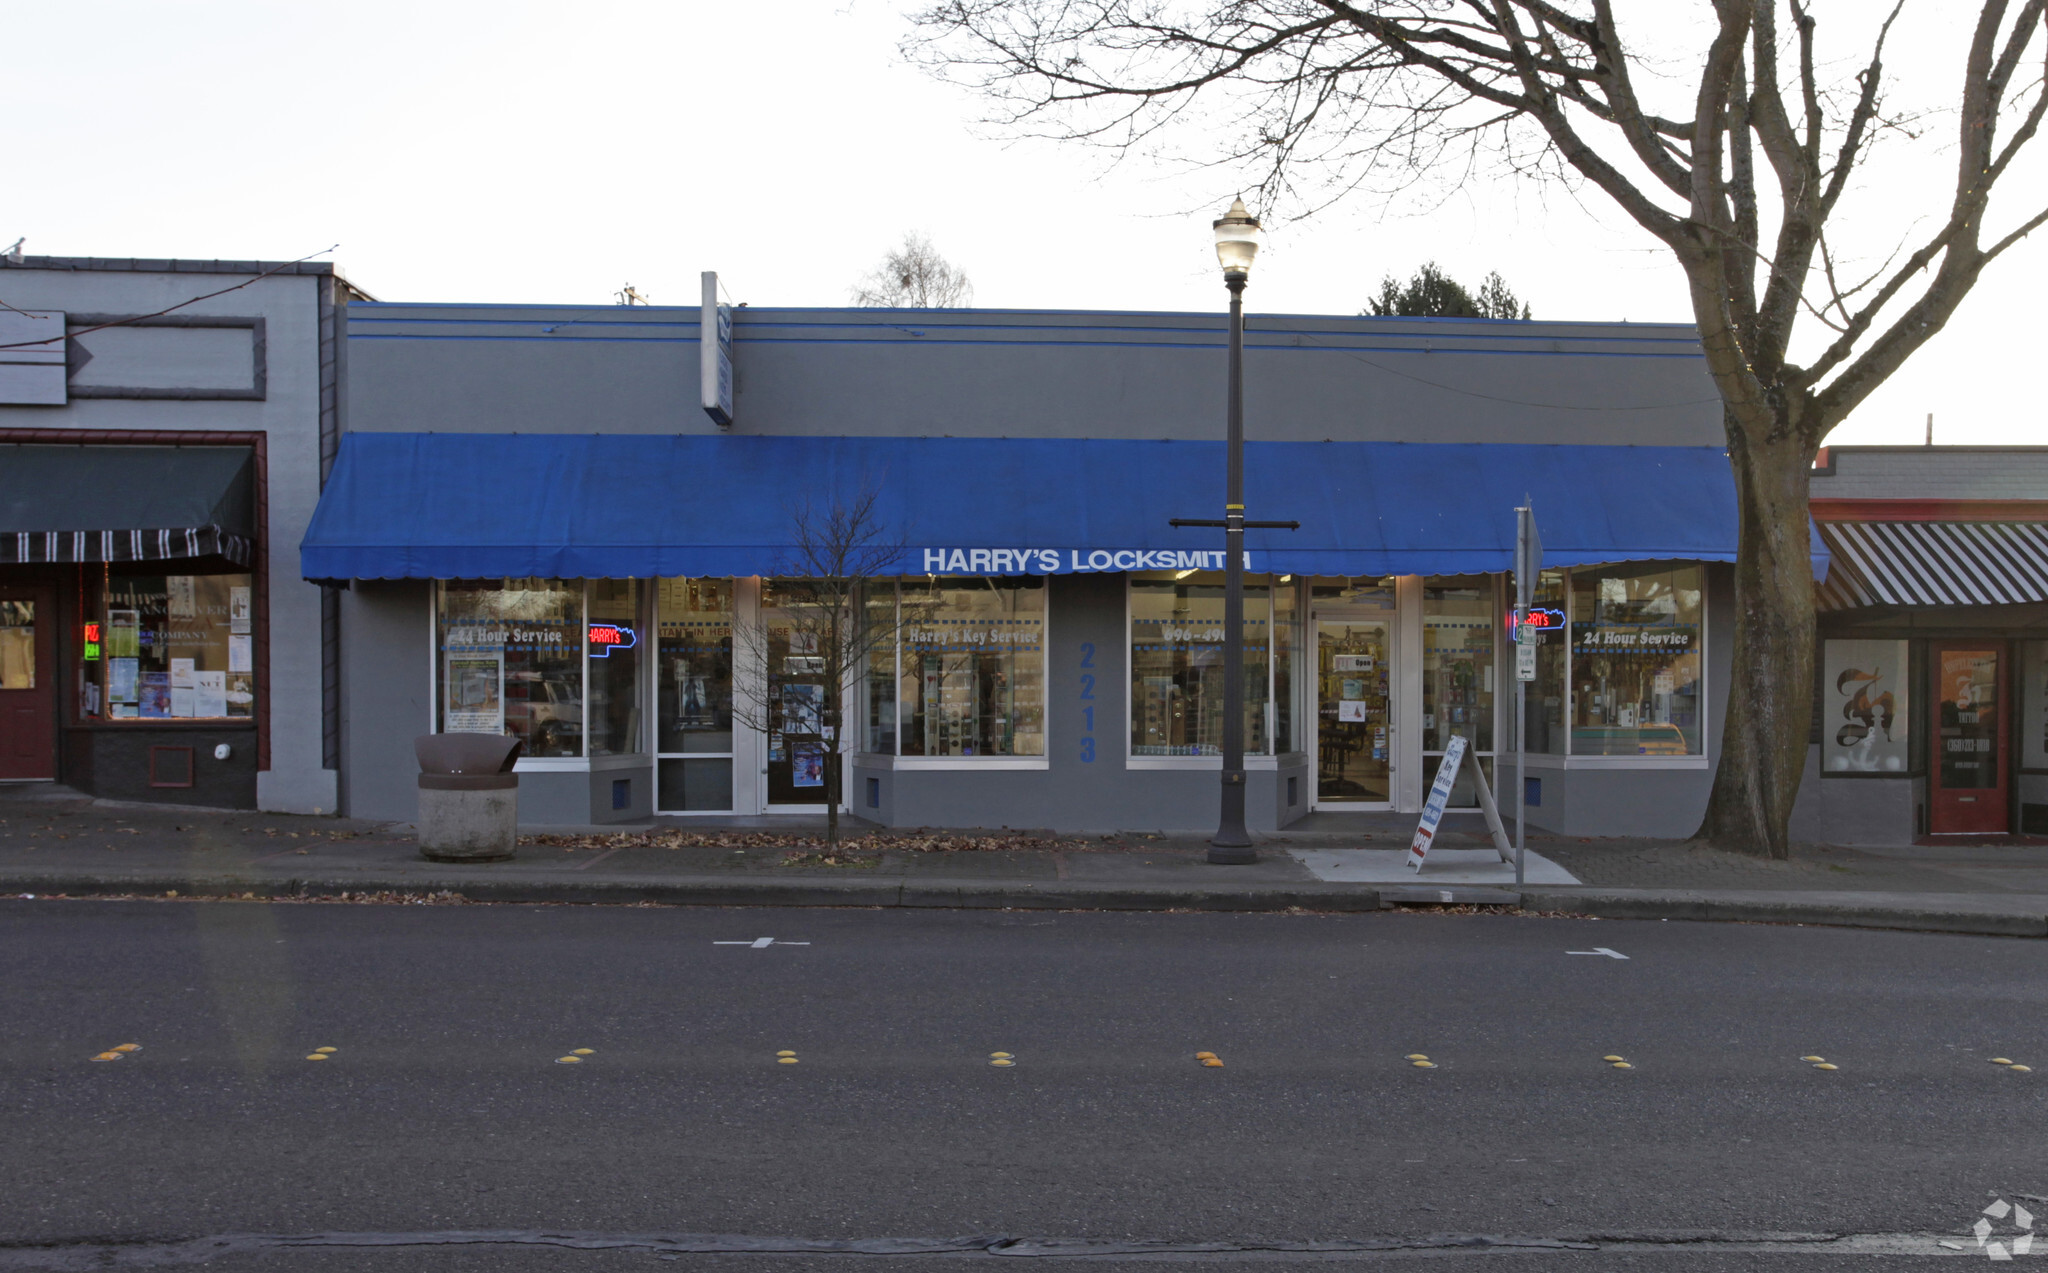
pixel 606 637
pixel 1541 617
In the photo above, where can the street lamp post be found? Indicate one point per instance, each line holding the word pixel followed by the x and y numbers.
pixel 1237 243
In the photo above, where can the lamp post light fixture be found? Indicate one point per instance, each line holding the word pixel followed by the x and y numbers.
pixel 1237 244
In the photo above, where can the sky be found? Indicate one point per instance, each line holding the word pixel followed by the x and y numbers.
pixel 540 152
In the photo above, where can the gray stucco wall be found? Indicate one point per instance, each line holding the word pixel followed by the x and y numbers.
pixel 1010 373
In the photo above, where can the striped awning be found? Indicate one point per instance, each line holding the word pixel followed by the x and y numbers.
pixel 1927 563
pixel 126 503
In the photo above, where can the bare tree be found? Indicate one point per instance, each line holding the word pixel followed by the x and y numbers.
pixel 1740 173
pixel 914 276
pixel 844 555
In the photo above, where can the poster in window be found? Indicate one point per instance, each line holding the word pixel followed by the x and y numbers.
pixel 238 610
pixel 241 655
pixel 475 693
pixel 180 601
pixel 1864 728
pixel 122 680
pixel 807 765
pixel 124 637
pixel 802 708
pixel 155 699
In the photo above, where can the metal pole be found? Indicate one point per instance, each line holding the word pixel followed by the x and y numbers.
pixel 1232 845
pixel 1522 582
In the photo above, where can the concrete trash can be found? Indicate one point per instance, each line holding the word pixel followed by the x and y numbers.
pixel 469 797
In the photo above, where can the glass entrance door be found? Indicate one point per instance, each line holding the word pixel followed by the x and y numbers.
pixel 1967 791
pixel 797 734
pixel 1354 717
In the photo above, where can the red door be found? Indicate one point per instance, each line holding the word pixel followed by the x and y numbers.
pixel 1967 783
pixel 28 684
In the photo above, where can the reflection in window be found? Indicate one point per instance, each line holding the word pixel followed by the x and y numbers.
pixel 171 647
pixel 693 695
pixel 615 667
pixel 512 661
pixel 1635 637
pixel 970 669
pixel 1544 721
pixel 1457 663
pixel 1177 664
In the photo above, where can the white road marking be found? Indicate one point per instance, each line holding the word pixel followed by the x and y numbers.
pixel 760 942
pixel 1599 950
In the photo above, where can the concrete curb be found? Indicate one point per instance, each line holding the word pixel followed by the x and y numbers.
pixel 1996 915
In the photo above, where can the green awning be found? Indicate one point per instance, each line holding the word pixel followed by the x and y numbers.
pixel 126 503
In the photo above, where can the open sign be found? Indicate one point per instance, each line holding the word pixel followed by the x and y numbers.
pixel 606 637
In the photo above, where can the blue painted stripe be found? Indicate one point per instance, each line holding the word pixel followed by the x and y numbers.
pixel 1049 344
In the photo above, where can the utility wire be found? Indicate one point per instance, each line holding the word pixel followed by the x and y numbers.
pixel 123 322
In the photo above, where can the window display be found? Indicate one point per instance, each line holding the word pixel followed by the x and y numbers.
pixel 1177 664
pixel 512 661
pixel 969 670
pixel 1864 707
pixel 2034 717
pixel 17 645
pixel 170 647
pixel 1635 670
pixel 1457 663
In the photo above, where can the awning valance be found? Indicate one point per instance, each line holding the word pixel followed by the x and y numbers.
pixel 424 506
pixel 126 503
pixel 1928 563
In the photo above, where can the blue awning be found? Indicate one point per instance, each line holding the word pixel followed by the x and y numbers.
pixel 451 505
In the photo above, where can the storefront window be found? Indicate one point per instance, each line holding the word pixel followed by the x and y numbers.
pixel 1177 664
pixel 881 619
pixel 1635 671
pixel 1865 706
pixel 693 695
pixel 1457 663
pixel 512 661
pixel 614 641
pixel 17 645
pixel 1543 718
pixel 970 669
pixel 171 647
pixel 2034 704
pixel 1286 641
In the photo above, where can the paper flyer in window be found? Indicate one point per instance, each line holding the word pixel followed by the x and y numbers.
pixel 474 693
pixel 122 680
pixel 241 695
pixel 210 694
pixel 1863 706
pixel 180 601
pixel 241 653
pixel 124 638
pixel 181 673
pixel 238 610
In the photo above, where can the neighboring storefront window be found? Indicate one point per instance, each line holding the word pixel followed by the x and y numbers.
pixel 2034 705
pixel 967 677
pixel 511 655
pixel 1635 671
pixel 1177 664
pixel 1864 711
pixel 693 695
pixel 17 645
pixel 170 647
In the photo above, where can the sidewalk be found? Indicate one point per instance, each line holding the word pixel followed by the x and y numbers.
pixel 54 841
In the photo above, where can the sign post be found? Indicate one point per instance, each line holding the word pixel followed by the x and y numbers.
pixel 1528 564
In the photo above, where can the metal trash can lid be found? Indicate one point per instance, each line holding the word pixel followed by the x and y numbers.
pixel 466 753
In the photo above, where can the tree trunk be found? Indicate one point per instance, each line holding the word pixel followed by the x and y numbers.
pixel 1770 685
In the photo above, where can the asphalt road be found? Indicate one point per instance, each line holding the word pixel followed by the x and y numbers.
pixel 444 1111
